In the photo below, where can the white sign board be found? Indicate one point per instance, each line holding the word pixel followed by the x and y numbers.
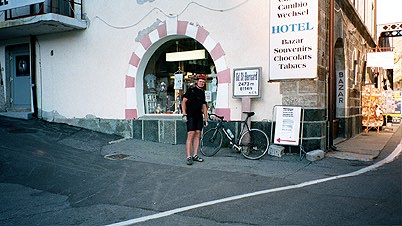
pixel 293 39
pixel 341 84
pixel 381 59
pixel 287 127
pixel 178 81
pixel 246 82
pixel 12 4
pixel 208 96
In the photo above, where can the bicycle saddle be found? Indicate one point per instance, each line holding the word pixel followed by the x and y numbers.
pixel 249 113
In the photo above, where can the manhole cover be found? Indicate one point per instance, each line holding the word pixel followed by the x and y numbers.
pixel 116 156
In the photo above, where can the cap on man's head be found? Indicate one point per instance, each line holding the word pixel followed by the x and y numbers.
pixel 201 76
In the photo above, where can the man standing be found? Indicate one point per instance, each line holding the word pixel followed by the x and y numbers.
pixel 194 108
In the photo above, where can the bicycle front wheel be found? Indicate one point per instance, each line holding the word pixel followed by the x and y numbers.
pixel 254 144
pixel 211 142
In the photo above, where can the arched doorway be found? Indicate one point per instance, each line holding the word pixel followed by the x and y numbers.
pixel 169 30
pixel 171 70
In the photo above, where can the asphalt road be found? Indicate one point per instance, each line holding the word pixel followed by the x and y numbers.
pixel 52 174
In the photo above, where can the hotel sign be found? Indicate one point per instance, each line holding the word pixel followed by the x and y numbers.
pixel 12 4
pixel 293 39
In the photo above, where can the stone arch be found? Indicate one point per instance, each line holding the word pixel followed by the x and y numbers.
pixel 169 28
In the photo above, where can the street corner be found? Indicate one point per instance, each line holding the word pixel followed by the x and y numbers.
pixel 351 156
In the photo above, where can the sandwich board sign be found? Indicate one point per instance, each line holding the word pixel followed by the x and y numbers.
pixel 287 127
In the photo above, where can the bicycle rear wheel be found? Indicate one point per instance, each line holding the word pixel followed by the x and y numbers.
pixel 211 142
pixel 254 144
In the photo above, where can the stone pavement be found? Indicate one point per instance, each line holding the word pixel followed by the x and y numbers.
pixel 365 146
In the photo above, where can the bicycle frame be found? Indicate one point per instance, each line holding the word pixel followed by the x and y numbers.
pixel 232 141
pixel 252 143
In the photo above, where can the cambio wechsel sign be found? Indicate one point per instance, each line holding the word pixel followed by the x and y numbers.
pixel 293 39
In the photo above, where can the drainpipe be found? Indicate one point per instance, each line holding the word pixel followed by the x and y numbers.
pixel 33 76
pixel 331 76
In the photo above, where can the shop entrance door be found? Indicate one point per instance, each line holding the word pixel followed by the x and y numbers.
pixel 20 78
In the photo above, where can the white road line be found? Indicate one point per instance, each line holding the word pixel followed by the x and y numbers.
pixel 389 159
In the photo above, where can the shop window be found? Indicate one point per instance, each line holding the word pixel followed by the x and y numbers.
pixel 165 82
pixel 63 7
pixel 22 66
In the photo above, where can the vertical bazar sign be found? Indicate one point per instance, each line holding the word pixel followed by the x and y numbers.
pixel 293 39
pixel 341 100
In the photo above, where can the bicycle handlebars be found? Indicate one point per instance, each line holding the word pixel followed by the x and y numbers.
pixel 217 116
pixel 249 114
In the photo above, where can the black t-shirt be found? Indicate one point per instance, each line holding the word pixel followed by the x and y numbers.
pixel 195 99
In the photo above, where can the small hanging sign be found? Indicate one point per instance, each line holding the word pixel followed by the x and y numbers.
pixel 178 81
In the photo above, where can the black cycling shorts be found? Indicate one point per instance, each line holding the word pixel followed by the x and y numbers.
pixel 194 124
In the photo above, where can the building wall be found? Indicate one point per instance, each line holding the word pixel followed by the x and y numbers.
pixel 312 93
pixel 101 67
pixel 350 56
pixel 2 90
pixel 93 78
pixel 2 85
pixel 83 74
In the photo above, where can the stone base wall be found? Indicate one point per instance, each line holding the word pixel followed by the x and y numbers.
pixel 350 127
pixel 160 130
pixel 173 131
pixel 121 128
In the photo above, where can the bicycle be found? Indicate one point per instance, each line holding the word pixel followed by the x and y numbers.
pixel 253 143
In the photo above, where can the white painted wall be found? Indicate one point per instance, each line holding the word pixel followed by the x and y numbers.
pixel 85 77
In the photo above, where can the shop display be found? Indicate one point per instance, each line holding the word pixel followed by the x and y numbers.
pixel 163 95
pixel 171 70
pixel 150 103
pixel 392 106
pixel 372 102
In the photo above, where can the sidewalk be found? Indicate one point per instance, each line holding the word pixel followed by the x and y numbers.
pixel 352 155
pixel 365 146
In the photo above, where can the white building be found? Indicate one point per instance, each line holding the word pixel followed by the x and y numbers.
pixel 102 65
